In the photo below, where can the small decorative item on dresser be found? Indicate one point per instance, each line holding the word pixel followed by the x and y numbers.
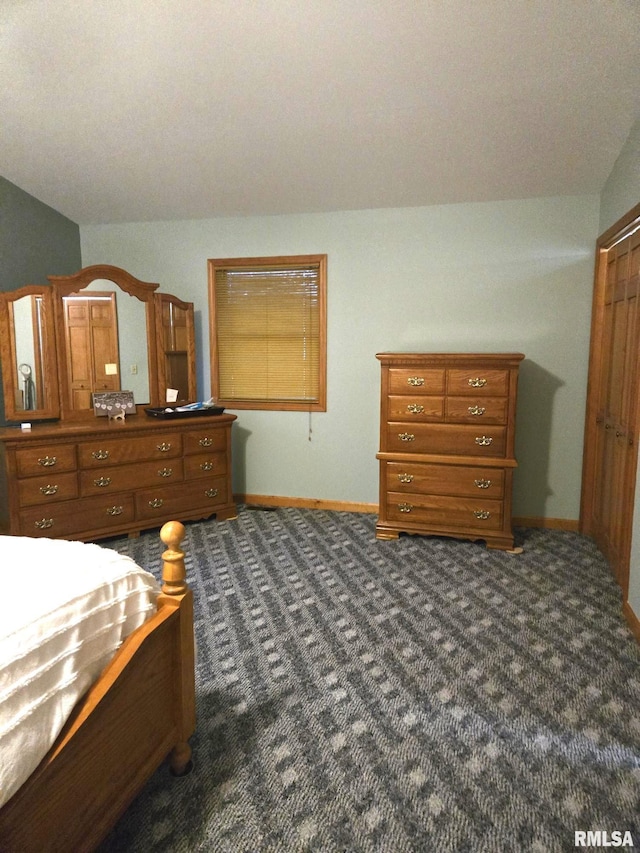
pixel 113 404
pixel 447 430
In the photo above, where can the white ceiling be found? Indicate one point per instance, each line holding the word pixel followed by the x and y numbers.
pixel 135 110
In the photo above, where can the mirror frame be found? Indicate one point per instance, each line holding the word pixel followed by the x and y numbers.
pixel 161 300
pixel 65 285
pixel 8 356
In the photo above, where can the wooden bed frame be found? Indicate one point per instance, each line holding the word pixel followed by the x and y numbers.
pixel 141 710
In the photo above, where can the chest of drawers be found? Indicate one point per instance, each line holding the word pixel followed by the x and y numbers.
pixel 85 481
pixel 447 431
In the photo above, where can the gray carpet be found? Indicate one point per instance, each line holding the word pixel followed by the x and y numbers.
pixel 391 697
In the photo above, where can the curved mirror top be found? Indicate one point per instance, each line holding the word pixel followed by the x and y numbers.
pixel 105 324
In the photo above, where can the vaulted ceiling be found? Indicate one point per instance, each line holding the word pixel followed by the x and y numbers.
pixel 135 110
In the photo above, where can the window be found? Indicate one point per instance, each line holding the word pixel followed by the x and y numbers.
pixel 268 332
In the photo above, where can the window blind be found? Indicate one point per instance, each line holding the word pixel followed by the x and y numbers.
pixel 268 333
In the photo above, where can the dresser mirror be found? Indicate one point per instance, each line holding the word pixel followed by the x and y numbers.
pixel 99 330
pixel 100 352
pixel 27 351
pixel 101 313
pixel 175 336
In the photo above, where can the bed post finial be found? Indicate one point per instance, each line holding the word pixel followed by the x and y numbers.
pixel 174 574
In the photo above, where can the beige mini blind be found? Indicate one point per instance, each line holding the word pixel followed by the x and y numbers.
pixel 269 334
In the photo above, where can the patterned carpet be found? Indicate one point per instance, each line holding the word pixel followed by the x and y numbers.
pixel 417 696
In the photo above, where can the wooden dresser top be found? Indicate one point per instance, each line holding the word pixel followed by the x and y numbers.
pixel 102 426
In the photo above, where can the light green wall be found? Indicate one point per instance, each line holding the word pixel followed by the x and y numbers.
pixel 620 194
pixel 505 276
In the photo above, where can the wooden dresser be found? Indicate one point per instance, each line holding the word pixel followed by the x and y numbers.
pixel 98 478
pixel 447 429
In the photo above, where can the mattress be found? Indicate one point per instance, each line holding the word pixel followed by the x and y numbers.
pixel 65 608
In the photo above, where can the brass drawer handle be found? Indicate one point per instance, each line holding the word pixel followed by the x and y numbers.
pixel 476 410
pixel 406 436
pixel 206 466
pixel 115 510
pixel 48 490
pixel 164 447
pixel 47 461
pixel 205 442
pixel 156 503
pixel 416 381
pixel 165 472
pixel 44 524
pixel 211 493
pixel 405 507
pixel 415 408
pixel 483 440
pixel 100 454
pixel 405 478
pixel 477 382
pixel 482 513
pixel 101 482
pixel 482 484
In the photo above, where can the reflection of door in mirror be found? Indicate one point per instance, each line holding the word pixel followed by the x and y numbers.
pixel 175 346
pixel 91 331
pixel 26 327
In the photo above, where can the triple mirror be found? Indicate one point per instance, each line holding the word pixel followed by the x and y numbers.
pixel 100 330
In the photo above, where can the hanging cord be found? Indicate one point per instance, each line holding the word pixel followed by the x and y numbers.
pixel 29 394
pixel 310 428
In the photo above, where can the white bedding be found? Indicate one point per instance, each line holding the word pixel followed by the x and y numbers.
pixel 65 607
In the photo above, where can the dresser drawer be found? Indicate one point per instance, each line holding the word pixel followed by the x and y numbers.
pixel 460 480
pixel 445 512
pixel 108 451
pixel 69 518
pixel 31 461
pixel 205 465
pixel 93 479
pixel 486 410
pixel 448 439
pixel 134 476
pixel 166 502
pixel 48 489
pixel 415 408
pixel 205 439
pixel 478 381
pixel 416 380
